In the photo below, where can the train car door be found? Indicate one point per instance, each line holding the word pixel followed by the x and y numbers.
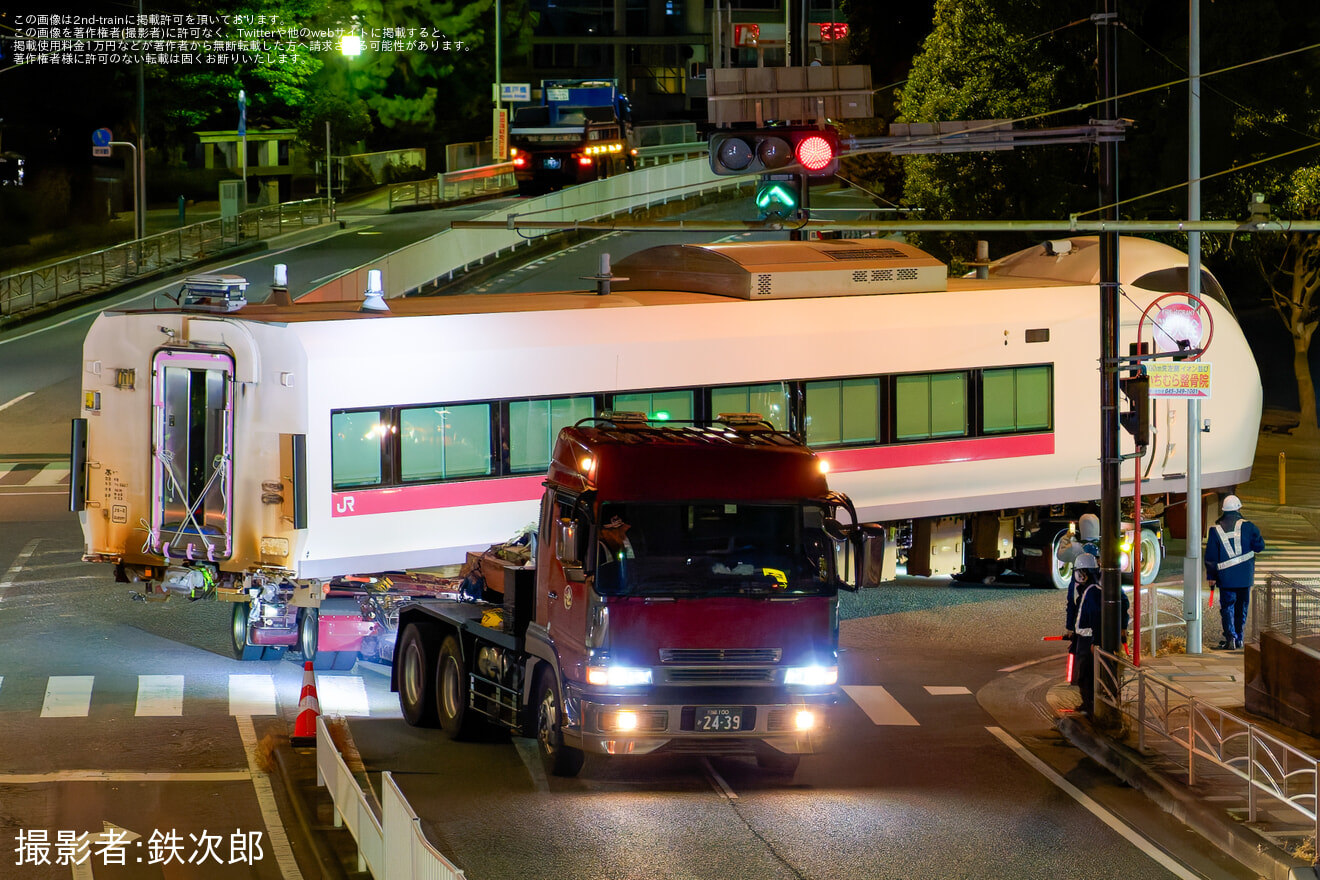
pixel 192 455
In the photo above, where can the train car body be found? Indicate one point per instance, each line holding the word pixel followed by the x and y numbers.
pixel 280 446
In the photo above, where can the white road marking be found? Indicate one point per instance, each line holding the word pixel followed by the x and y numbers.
pixel 946 690
pixel 342 695
pixel 7 580
pixel 1048 659
pixel 529 750
pixel 68 696
pixel 21 397
pixel 51 475
pixel 252 695
pixel 159 695
pixel 879 705
pixel 270 812
pixel 123 776
pixel 717 781
pixel 1131 836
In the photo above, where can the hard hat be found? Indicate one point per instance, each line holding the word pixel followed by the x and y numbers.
pixel 1089 527
pixel 1232 503
pixel 1086 560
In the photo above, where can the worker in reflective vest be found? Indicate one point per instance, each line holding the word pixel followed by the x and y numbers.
pixel 1089 610
pixel 1230 565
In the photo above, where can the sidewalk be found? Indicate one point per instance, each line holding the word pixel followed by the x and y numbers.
pixel 1216 806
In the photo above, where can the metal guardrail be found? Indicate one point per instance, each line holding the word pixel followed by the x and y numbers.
pixel 454 186
pixel 78 276
pixel 391 846
pixel 1286 606
pixel 1190 733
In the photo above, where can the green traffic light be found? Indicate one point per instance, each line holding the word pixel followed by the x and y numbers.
pixel 776 198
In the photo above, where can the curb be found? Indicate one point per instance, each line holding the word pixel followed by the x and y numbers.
pixel 1238 842
pixel 326 862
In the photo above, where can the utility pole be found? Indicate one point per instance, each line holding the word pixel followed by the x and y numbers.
pixel 1192 555
pixel 1111 592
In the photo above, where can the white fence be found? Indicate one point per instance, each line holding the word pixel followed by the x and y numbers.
pixel 392 846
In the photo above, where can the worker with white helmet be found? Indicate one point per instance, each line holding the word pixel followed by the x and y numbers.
pixel 1089 611
pixel 1230 565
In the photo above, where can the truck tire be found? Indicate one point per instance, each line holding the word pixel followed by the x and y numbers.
pixel 1152 557
pixel 309 631
pixel 457 719
pixel 238 632
pixel 557 758
pixel 417 675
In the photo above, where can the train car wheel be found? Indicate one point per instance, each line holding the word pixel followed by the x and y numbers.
pixel 1060 572
pixel 417 675
pixel 309 632
pixel 238 631
pixel 1152 556
pixel 557 758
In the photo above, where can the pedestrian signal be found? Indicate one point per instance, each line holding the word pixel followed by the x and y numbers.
pixel 1136 418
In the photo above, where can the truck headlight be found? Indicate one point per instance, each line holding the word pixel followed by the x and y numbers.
pixel 814 676
pixel 618 676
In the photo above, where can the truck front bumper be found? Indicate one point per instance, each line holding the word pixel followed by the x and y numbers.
pixel 712 724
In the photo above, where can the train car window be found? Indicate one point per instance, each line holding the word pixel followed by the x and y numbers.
pixel 1174 280
pixel 534 425
pixel 356 445
pixel 930 405
pixel 843 411
pixel 771 400
pixel 659 405
pixel 443 442
pixel 1016 399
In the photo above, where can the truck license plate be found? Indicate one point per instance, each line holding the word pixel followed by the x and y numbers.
pixel 719 718
pixel 552 163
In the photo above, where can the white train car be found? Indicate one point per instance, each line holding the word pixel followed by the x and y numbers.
pixel 264 451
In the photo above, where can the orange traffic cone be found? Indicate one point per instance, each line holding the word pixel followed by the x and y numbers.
pixel 304 729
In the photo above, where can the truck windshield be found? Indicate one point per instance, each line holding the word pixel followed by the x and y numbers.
pixel 713 548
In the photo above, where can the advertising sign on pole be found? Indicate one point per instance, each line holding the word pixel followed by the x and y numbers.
pixel 500 136
pixel 1187 379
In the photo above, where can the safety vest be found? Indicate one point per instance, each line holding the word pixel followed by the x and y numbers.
pixel 1233 546
pixel 1084 631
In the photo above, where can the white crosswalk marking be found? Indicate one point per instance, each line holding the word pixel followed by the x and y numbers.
pixel 342 695
pixel 946 690
pixel 1289 559
pixel 51 475
pixel 252 695
pixel 67 696
pixel 159 695
pixel 879 705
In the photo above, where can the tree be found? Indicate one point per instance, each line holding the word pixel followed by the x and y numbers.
pixel 982 60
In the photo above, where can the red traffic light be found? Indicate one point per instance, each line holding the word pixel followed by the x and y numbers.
pixel 815 153
pixel 816 150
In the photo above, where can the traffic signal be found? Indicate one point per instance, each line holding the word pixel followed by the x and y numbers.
pixel 1136 419
pixel 815 150
pixel 780 197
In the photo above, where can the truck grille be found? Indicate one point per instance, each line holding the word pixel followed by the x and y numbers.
pixel 718 674
pixel 706 656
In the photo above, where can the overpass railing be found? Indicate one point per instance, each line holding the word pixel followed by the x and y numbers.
pixel 74 277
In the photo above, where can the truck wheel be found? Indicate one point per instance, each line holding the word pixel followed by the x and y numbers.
pixel 238 631
pixel 417 675
pixel 778 763
pixel 557 758
pixel 451 698
pixel 309 630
